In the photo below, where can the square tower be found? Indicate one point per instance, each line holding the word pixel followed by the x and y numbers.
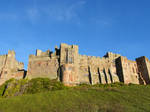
pixel 144 68
pixel 69 63
pixel 127 70
pixel 68 54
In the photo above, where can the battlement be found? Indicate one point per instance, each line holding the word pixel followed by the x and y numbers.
pixel 142 59
pixel 90 57
pixel 43 54
pixel 68 46
pixel 11 53
pixel 111 55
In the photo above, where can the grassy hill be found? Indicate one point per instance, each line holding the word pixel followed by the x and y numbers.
pixel 43 95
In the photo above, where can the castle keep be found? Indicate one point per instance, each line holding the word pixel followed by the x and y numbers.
pixel 71 68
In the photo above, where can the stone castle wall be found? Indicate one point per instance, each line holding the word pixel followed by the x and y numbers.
pixel 144 69
pixel 10 67
pixel 43 64
pixel 101 70
pixel 127 70
pixel 68 66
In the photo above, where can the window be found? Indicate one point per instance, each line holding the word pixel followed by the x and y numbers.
pixel 69 56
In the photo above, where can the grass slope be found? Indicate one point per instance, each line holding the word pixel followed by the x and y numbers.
pixel 98 98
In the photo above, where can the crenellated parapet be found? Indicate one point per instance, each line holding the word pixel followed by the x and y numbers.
pixel 111 55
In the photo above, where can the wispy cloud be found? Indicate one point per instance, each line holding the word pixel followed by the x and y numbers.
pixel 67 11
pixel 55 11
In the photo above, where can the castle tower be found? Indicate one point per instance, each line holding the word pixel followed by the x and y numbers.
pixel 69 64
pixel 127 70
pixel 144 68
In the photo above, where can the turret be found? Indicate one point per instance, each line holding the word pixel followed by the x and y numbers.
pixel 11 53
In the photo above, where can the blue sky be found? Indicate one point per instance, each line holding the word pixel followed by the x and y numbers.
pixel 97 26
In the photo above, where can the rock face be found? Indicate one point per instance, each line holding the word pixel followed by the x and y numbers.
pixel 10 68
pixel 68 66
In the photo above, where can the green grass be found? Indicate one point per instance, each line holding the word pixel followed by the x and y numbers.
pixel 83 98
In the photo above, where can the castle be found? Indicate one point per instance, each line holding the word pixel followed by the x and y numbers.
pixel 71 68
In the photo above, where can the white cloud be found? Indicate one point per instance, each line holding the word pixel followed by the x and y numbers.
pixel 55 11
pixel 58 12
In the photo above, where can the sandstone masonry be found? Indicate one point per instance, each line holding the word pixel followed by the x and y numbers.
pixel 71 68
pixel 10 68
